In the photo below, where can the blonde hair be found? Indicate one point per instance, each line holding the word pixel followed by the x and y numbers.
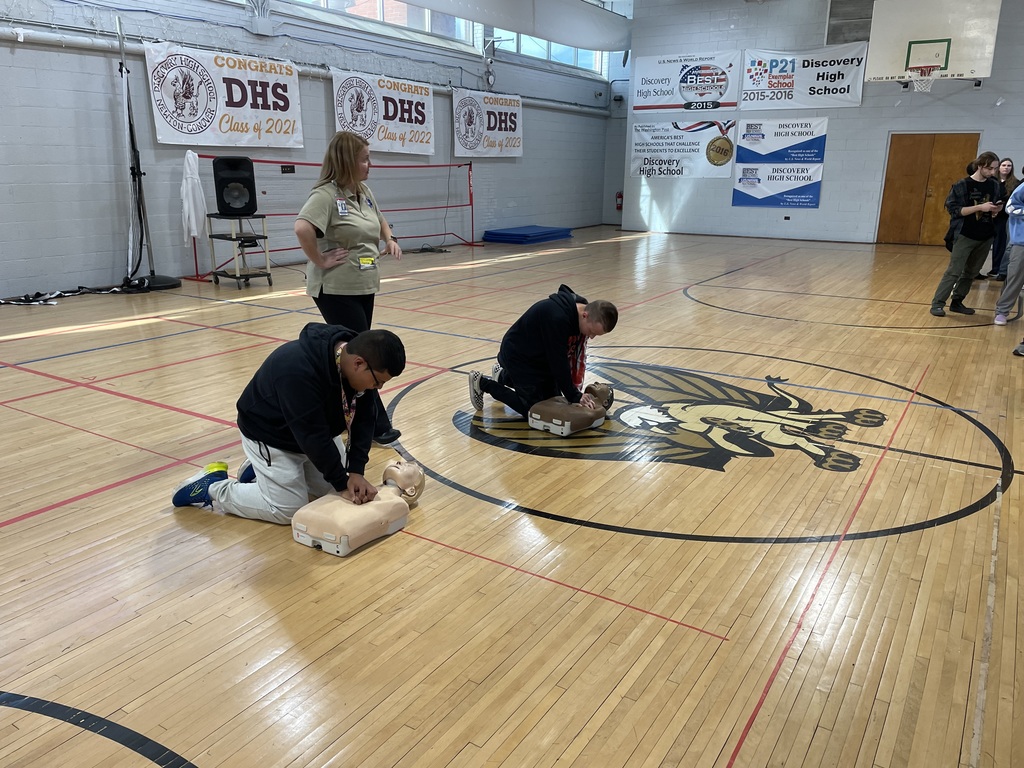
pixel 341 161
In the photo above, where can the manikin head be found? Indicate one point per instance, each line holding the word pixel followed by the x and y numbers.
pixel 407 476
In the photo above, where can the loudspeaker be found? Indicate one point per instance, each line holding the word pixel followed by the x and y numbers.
pixel 235 183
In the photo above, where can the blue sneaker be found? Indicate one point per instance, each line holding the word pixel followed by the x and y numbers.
pixel 195 491
pixel 246 474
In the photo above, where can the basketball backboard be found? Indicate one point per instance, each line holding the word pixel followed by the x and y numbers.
pixel 957 36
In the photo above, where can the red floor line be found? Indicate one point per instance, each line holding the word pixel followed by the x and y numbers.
pixel 821 578
pixel 36 394
pixel 78 328
pixel 582 591
pixel 223 328
pixel 453 317
pixel 118 484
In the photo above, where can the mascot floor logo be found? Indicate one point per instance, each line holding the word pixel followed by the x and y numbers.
pixel 688 418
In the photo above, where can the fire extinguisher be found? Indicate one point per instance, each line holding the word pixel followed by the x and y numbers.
pixel 618 201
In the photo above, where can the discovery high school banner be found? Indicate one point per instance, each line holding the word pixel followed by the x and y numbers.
pixel 700 149
pixel 824 77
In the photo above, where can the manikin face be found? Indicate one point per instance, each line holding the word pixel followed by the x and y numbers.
pixel 1005 168
pixel 409 478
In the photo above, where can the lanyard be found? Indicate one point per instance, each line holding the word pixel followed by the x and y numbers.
pixel 348 408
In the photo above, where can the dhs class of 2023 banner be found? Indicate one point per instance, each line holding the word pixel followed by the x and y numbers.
pixel 486 124
pixel 222 99
pixel 393 115
pixel 824 77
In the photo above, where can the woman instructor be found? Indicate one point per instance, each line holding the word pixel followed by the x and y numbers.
pixel 340 229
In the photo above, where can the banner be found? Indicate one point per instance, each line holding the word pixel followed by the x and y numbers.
pixel 701 149
pixel 393 115
pixel 222 99
pixel 824 77
pixel 487 124
pixel 777 186
pixel 782 141
pixel 700 82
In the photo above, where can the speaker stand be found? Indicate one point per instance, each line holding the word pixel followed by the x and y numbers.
pixel 155 282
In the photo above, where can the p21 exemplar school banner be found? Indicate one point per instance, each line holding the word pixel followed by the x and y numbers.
pixel 702 149
pixel 693 82
pixel 222 99
pixel 393 115
pixel 487 124
pixel 777 186
pixel 824 77
pixel 800 140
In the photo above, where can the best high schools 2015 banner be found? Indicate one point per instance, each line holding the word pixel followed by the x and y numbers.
pixel 696 82
pixel 393 115
pixel 701 149
pixel 825 77
pixel 222 99
pixel 487 124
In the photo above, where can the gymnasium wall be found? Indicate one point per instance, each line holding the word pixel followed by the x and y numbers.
pixel 63 157
pixel 858 138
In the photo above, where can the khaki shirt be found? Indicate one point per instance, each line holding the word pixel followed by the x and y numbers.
pixel 343 222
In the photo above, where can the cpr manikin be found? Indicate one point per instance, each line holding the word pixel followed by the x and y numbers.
pixel 559 417
pixel 338 526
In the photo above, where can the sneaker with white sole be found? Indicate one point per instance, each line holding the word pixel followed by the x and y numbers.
pixel 1019 350
pixel 476 395
pixel 195 492
pixel 246 474
pixel 1000 319
pixel 496 372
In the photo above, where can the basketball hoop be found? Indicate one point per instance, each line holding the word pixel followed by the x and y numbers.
pixel 922 77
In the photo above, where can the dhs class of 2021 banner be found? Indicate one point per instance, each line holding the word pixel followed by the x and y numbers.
pixel 222 99
pixel 824 77
pixel 393 115
pixel 486 124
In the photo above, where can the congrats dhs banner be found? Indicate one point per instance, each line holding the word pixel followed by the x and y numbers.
pixel 222 99
pixel 782 141
pixel 825 77
pixel 701 149
pixel 777 186
pixel 487 124
pixel 393 115
pixel 698 82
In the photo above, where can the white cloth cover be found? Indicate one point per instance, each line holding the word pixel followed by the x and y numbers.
pixel 193 201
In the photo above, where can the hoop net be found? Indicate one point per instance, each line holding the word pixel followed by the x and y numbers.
pixel 922 78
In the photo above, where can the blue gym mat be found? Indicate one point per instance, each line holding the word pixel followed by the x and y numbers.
pixel 526 235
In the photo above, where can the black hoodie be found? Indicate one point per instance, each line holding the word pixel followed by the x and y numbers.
pixel 537 345
pixel 293 403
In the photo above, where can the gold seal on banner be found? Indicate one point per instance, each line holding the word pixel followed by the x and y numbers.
pixel 719 151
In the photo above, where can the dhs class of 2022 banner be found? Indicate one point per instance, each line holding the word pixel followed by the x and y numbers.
pixel 486 124
pixel 824 77
pixel 698 82
pixel 393 115
pixel 222 99
pixel 779 163
pixel 675 150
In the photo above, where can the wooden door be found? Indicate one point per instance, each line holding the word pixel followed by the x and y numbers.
pixel 920 169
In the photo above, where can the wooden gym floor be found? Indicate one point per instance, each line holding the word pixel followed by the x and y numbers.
pixel 796 540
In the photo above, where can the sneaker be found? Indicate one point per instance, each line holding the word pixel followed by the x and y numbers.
pixel 1019 350
pixel 980 276
pixel 1000 319
pixel 958 307
pixel 387 438
pixel 246 474
pixel 1000 278
pixel 496 372
pixel 195 491
pixel 938 311
pixel 476 395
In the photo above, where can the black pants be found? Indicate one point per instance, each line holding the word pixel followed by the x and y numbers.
pixel 356 314
pixel 519 389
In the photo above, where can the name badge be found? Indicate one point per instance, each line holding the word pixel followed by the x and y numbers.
pixel 367 262
pixel 342 206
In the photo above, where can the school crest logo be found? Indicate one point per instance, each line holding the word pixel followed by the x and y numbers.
pixel 676 416
pixel 356 107
pixel 184 93
pixel 469 123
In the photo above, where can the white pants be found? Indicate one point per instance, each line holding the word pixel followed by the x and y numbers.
pixel 285 482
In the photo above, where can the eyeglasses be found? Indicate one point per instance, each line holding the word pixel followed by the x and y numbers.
pixel 376 382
